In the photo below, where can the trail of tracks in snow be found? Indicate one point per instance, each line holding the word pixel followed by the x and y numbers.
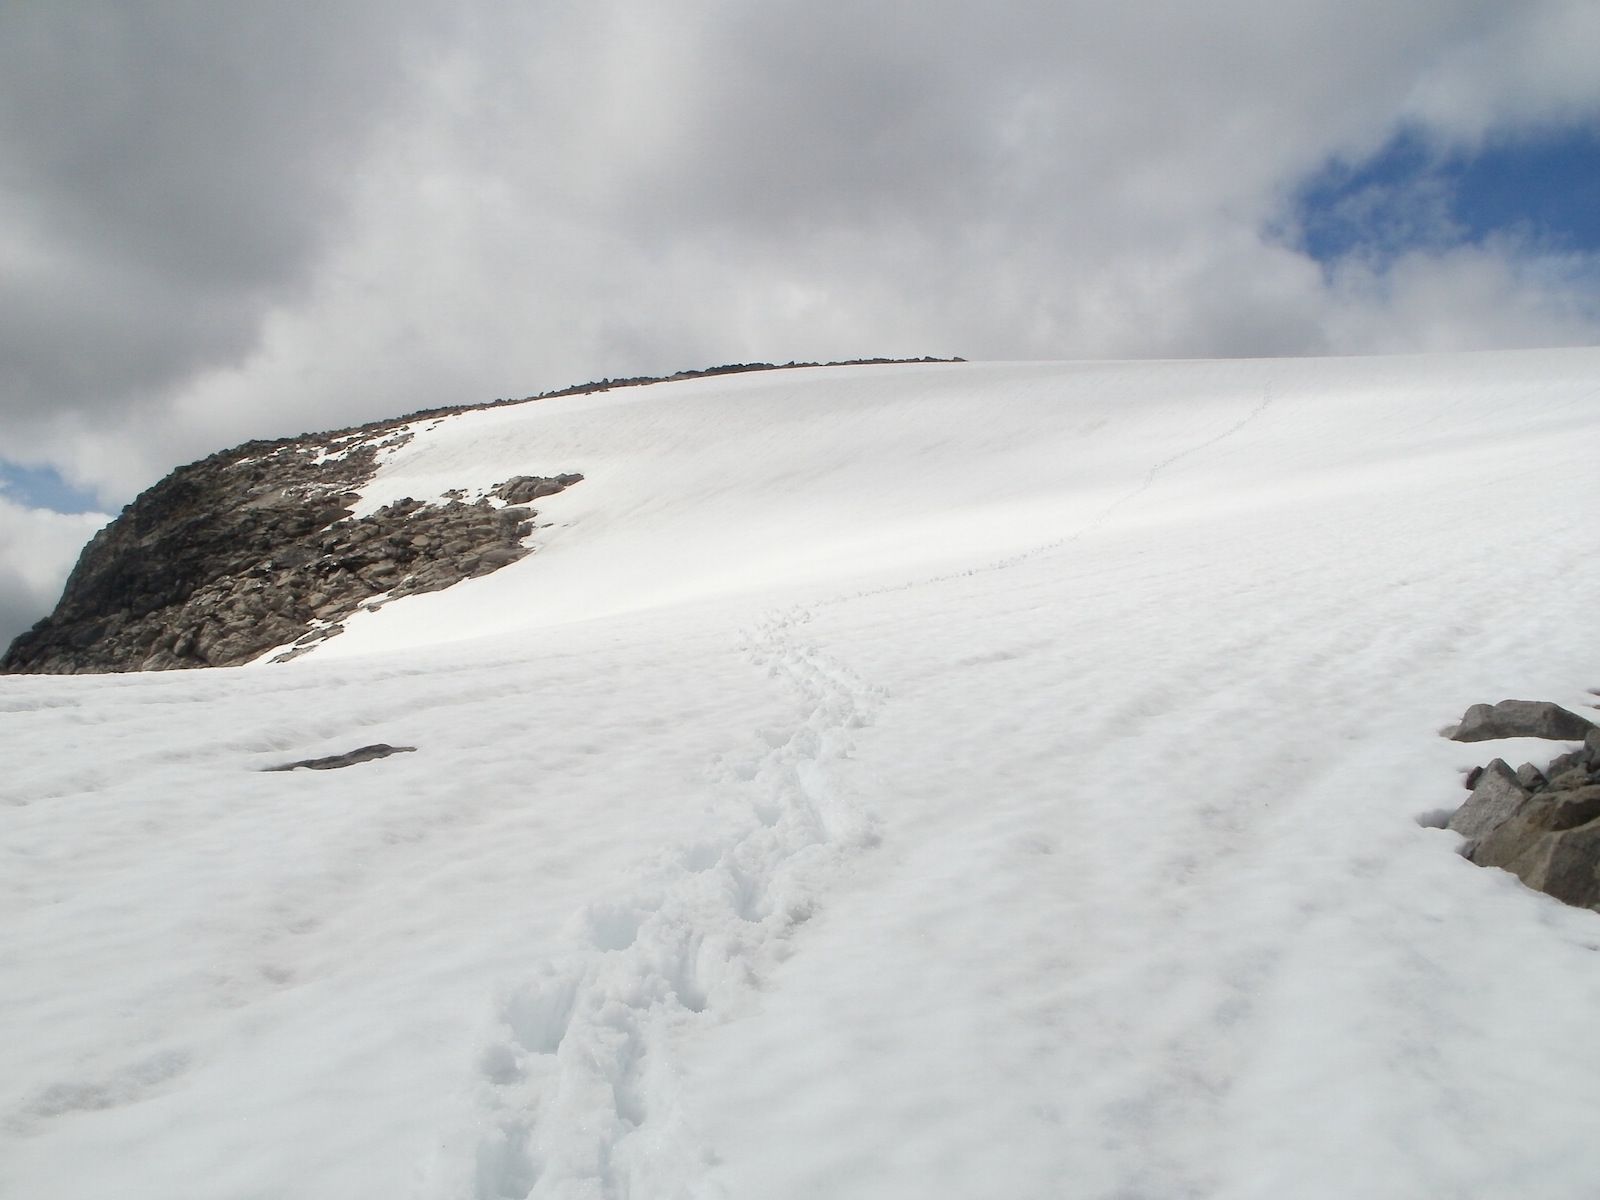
pixel 580 1089
pixel 579 1085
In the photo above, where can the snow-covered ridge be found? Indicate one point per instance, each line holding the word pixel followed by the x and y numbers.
pixel 918 781
pixel 731 484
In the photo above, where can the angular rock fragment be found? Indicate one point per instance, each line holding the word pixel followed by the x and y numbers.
pixel 1496 797
pixel 1530 777
pixel 1520 718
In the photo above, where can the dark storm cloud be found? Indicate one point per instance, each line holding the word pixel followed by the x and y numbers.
pixel 170 169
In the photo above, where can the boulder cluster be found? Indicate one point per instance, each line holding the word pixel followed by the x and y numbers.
pixel 259 547
pixel 1542 825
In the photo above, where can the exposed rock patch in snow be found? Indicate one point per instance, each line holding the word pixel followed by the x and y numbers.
pixel 1541 825
pixel 349 758
pixel 259 548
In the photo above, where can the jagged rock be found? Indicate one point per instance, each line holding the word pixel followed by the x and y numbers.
pixel 1520 718
pixel 1552 843
pixel 1496 797
pixel 348 759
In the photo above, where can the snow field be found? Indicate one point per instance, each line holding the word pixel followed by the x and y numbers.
pixel 959 781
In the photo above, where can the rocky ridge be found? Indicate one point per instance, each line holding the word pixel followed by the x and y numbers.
pixel 258 547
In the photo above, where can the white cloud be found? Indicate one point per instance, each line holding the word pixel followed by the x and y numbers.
pixel 521 198
pixel 37 551
pixel 1500 293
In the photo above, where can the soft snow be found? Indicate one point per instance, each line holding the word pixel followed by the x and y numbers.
pixel 958 780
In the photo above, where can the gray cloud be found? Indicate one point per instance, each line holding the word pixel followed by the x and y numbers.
pixel 223 221
pixel 171 171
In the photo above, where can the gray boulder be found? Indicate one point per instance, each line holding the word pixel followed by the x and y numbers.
pixel 1496 797
pixel 1520 718
pixel 1552 844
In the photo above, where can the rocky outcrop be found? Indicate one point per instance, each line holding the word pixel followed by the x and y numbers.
pixel 259 547
pixel 1541 825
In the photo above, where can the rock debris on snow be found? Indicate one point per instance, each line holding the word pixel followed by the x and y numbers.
pixel 348 759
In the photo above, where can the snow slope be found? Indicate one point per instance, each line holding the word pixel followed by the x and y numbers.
pixel 959 780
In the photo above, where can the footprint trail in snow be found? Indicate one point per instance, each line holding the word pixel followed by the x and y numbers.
pixel 580 1087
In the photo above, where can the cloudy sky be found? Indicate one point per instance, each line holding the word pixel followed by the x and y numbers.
pixel 230 220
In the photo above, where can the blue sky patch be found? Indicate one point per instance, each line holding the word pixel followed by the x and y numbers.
pixel 1414 195
pixel 43 487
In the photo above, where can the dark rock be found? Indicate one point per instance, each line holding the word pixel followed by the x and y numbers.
pixel 1520 718
pixel 1495 799
pixel 348 759
pixel 520 489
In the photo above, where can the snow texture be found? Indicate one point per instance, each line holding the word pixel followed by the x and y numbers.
pixel 959 780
